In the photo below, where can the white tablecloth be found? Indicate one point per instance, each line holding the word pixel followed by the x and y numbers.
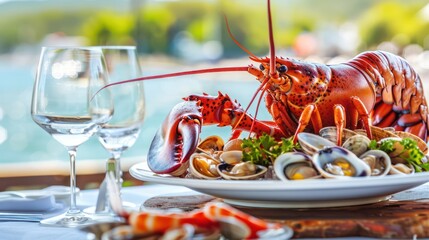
pixel 87 198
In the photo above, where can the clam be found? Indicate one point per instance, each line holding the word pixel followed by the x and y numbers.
pixel 211 144
pixel 234 144
pixel 338 162
pixel 241 171
pixel 203 166
pixel 294 166
pixel 379 133
pixel 400 168
pixel 311 143
pixel 330 133
pixel 357 144
pixel 231 157
pixel 420 143
pixel 378 161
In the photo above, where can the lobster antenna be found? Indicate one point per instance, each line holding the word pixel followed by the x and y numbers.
pixel 192 72
pixel 257 109
pixel 236 41
pixel 253 99
pixel 273 71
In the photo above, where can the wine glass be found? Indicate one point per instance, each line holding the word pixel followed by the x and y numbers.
pixel 122 130
pixel 65 105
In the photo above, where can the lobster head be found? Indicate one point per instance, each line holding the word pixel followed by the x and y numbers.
pixel 290 75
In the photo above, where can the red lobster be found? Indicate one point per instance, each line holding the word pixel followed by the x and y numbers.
pixel 377 88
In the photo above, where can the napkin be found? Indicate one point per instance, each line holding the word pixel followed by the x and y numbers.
pixel 19 204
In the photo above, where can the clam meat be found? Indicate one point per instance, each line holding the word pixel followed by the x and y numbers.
pixel 338 162
pixel 203 166
pixel 211 144
pixel 241 171
pixel 378 161
pixel 294 166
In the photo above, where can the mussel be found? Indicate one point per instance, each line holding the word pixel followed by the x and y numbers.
pixel 338 162
pixel 294 166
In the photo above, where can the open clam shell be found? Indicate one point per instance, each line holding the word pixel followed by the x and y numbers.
pixel 241 171
pixel 420 143
pixel 338 162
pixel 330 133
pixel 378 133
pixel 211 144
pixel 311 143
pixel 295 166
pixel 401 169
pixel 378 161
pixel 203 166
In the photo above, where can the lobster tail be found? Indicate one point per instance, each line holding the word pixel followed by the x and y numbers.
pixel 398 88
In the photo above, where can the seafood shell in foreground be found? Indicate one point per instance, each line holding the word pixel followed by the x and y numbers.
pixel 378 161
pixel 312 143
pixel 203 166
pixel 295 166
pixel 338 162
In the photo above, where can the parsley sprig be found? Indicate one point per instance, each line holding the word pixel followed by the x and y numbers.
pixel 411 152
pixel 265 149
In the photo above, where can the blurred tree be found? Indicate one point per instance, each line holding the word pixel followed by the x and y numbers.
pixel 400 22
pixel 32 28
pixel 109 28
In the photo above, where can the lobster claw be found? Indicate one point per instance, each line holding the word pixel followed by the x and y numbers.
pixel 176 140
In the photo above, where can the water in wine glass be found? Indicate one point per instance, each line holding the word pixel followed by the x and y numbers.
pixel 69 131
pixel 65 106
pixel 118 139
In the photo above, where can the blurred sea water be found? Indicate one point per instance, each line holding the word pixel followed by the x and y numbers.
pixel 22 140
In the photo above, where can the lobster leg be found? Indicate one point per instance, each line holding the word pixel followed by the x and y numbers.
pixel 363 114
pixel 310 113
pixel 280 116
pixel 340 121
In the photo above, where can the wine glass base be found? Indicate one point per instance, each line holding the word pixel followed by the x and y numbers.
pixel 128 206
pixel 73 220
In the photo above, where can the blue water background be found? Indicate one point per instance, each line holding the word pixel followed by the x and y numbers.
pixel 27 142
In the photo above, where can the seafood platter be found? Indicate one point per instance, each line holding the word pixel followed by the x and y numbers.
pixel 314 172
pixel 305 152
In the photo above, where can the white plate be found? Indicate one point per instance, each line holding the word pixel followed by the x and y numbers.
pixel 294 194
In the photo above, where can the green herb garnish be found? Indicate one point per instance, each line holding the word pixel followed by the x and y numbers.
pixel 411 152
pixel 265 149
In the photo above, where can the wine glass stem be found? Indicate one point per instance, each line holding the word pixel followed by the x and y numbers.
pixel 114 166
pixel 72 154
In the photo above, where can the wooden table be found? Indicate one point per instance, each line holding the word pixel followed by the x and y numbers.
pixel 405 215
